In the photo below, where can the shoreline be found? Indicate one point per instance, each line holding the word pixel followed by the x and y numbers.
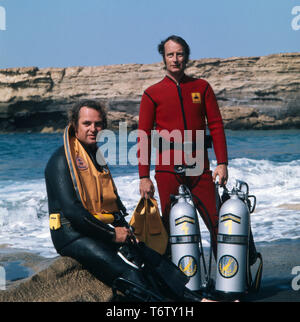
pixel 278 282
pixel 115 128
pixel 279 259
pixel 132 122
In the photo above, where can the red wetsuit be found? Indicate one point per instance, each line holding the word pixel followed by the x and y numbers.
pixel 184 106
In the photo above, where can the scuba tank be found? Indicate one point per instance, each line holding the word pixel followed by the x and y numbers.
pixel 232 273
pixel 185 237
pixel 154 277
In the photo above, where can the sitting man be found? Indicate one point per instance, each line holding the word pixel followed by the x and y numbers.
pixel 85 208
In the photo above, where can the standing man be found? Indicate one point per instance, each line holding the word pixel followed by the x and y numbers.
pixel 180 102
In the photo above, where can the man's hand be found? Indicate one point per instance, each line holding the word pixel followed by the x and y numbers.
pixel 146 188
pixel 121 234
pixel 222 172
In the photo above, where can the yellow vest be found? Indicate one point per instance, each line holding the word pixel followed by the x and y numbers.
pixel 96 190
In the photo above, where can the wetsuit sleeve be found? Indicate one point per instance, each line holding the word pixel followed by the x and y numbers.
pixel 146 124
pixel 215 125
pixel 58 180
pixel 119 219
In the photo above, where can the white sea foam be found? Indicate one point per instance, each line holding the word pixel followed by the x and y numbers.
pixel 24 208
pixel 23 217
pixel 273 184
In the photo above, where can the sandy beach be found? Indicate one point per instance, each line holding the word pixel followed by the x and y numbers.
pixel 279 282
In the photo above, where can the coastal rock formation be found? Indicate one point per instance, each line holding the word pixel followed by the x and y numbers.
pixel 246 118
pixel 64 280
pixel 267 87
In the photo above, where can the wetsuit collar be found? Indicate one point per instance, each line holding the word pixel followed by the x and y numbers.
pixel 182 79
pixel 92 152
pixel 89 148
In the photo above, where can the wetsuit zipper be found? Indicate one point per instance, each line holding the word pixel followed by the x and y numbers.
pixel 181 104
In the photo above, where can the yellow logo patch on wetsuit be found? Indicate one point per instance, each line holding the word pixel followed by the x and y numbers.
pixel 196 97
pixel 54 221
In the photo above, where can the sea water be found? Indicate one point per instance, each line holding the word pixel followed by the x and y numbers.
pixel 269 161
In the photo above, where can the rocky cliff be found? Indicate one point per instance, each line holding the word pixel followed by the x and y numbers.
pixel 253 92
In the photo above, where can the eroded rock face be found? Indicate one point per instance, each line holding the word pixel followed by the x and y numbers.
pixel 246 118
pixel 34 99
pixel 271 84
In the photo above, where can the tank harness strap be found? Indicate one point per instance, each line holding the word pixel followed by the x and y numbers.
pixel 232 239
pixel 184 239
pixel 255 284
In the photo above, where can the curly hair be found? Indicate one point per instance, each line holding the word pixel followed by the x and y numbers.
pixel 74 111
pixel 178 40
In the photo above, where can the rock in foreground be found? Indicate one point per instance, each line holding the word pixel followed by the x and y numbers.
pixel 65 280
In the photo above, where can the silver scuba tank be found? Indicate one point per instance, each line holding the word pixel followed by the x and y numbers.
pixel 233 237
pixel 184 237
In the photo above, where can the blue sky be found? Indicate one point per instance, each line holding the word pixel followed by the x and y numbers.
pixel 61 33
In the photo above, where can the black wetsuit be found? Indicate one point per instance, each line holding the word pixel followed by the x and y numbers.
pixel 82 236
pixel 91 242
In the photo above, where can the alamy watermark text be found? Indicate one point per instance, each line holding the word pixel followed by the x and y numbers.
pixel 296 20
pixel 172 148
pixel 2 18
pixel 296 279
pixel 2 278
